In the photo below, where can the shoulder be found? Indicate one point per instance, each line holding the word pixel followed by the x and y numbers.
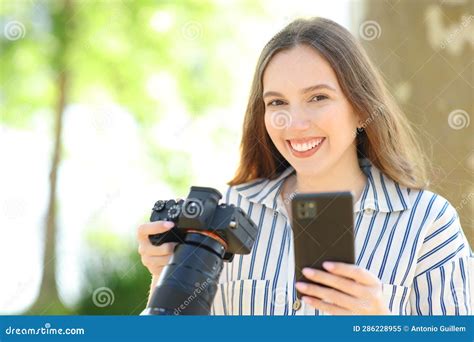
pixel 435 214
pixel 443 240
pixel 430 206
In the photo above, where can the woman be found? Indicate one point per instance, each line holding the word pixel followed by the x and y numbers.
pixel 320 119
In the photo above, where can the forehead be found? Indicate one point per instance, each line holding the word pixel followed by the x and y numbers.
pixel 298 67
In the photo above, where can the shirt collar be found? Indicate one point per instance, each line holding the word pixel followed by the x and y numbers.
pixel 380 193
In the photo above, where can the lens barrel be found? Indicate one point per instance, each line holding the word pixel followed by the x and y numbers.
pixel 188 284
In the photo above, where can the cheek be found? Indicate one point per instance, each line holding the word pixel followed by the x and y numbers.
pixel 340 125
pixel 267 122
pixel 272 131
pixel 276 134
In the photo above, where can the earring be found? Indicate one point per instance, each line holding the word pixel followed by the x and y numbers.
pixel 360 128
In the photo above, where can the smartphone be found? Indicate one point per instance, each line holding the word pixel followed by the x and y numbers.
pixel 323 230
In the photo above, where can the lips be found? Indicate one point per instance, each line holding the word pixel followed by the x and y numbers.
pixel 305 147
pixel 302 145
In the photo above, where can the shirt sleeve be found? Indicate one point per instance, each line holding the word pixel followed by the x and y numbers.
pixel 441 285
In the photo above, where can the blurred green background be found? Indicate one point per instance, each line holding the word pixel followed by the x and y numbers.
pixel 107 106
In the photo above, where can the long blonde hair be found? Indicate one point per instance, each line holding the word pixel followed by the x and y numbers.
pixel 387 139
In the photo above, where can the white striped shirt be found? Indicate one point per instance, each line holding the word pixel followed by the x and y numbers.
pixel 411 239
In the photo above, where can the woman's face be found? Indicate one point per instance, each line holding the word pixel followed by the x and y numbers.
pixel 307 115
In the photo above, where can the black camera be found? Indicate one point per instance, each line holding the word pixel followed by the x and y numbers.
pixel 207 234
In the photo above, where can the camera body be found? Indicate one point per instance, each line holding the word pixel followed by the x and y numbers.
pixel 207 233
pixel 201 211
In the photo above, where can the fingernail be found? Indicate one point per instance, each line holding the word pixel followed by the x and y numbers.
pixel 169 224
pixel 328 265
pixel 307 271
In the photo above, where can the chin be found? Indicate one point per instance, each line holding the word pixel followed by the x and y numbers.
pixel 309 168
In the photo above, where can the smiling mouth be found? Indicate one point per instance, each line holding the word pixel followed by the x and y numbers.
pixel 305 145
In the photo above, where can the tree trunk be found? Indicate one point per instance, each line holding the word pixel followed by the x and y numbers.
pixel 424 49
pixel 48 301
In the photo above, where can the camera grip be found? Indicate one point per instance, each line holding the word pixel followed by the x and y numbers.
pixel 173 235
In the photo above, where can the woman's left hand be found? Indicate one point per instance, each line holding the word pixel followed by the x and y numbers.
pixel 352 290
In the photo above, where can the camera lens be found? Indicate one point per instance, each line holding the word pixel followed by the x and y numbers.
pixel 188 283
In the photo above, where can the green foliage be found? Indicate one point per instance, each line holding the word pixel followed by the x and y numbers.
pixel 110 51
pixel 113 46
pixel 116 282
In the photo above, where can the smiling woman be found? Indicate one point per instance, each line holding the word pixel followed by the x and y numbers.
pixel 319 119
pixel 330 66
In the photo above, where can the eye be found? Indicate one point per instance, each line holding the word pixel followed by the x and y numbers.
pixel 319 98
pixel 275 103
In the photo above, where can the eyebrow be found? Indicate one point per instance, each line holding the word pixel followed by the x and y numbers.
pixel 303 91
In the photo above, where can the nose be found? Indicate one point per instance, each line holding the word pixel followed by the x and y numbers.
pixel 300 119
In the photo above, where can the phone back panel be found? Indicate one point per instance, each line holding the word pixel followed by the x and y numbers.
pixel 322 230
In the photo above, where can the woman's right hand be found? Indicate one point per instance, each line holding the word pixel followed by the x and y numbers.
pixel 154 257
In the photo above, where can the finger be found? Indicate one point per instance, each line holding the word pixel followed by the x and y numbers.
pixel 329 295
pixel 155 264
pixel 326 307
pixel 162 250
pixel 151 228
pixel 351 271
pixel 337 282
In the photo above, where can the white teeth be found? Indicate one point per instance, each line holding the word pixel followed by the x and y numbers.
pixel 306 146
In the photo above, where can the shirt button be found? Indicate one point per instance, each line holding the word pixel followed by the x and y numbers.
pixel 369 211
pixel 297 304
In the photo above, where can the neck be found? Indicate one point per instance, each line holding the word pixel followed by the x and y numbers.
pixel 343 177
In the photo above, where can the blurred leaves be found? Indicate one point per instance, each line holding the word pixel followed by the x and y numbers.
pixel 145 56
pixel 156 59
pixel 116 282
pixel 118 49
